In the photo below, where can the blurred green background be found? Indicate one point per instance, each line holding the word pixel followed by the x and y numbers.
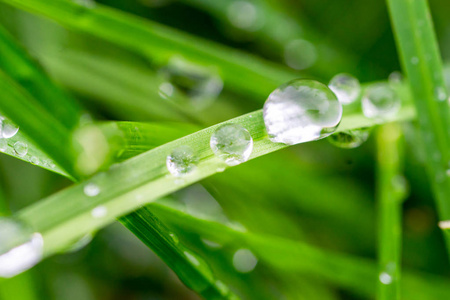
pixel 312 192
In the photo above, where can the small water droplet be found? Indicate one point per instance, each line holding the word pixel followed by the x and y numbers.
pixel 385 278
pixel 380 101
pixel 444 225
pixel 20 248
pixel 80 244
pixel 192 258
pixel 166 90
pixel 346 87
pixel 301 111
pixel 200 85
pixel 174 238
pixel 414 60
pixel 99 212
pixel 232 143
pixel 7 128
pixel 244 261
pixel 49 164
pixel 245 15
pixel 395 78
pixel 211 244
pixel 34 160
pixel 440 94
pixel 220 169
pixel 3 144
pixel 300 54
pixel 349 139
pixel 181 161
pixel 20 148
pixel 91 190
pixel 86 3
pixel 400 186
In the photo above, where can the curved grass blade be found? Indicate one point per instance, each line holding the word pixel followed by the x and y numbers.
pixel 420 58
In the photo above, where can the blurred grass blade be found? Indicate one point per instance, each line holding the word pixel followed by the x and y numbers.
pixel 191 269
pixel 37 123
pixel 391 191
pixel 352 273
pixel 242 72
pixel 421 60
pixel 18 65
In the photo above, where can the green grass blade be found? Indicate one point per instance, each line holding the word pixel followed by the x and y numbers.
pixel 137 181
pixel 242 72
pixel 37 123
pixel 389 197
pixel 191 269
pixel 18 65
pixel 352 273
pixel 420 58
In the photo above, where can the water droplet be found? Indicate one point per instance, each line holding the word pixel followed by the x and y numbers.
pixel 80 244
pixel 34 160
pixel 99 212
pixel 244 261
pixel 444 225
pixel 86 3
pixel 232 143
pixel 245 15
pixel 301 111
pixel 49 164
pixel 211 244
pixel 181 161
pixel 346 87
pixel 91 190
pixel 166 90
pixel 174 238
pixel 395 78
pixel 400 186
pixel 20 248
pixel 380 101
pixel 300 54
pixel 440 94
pixel 7 128
pixel 201 85
pixel 3 144
pixel 414 60
pixel 350 138
pixel 20 148
pixel 220 169
pixel 385 278
pixel 192 258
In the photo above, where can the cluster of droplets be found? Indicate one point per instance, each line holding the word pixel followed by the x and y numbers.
pixel 20 247
pixel 184 79
pixel 231 143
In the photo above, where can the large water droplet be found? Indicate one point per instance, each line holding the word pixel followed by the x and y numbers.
pixel 244 260
pixel 91 190
pixel 80 244
pixel 350 138
pixel 3 144
pixel 7 128
pixel 181 161
pixel 201 85
pixel 346 87
pixel 20 148
pixel 300 54
pixel 380 101
pixel 301 111
pixel 232 143
pixel 20 248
